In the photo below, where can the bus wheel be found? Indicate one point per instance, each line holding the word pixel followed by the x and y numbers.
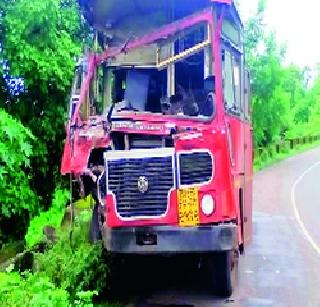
pixel 94 231
pixel 223 272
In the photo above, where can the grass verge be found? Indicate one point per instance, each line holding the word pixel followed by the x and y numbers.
pixel 269 156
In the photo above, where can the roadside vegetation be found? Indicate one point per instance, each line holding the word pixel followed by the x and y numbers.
pixel 56 265
pixel 270 156
pixel 285 98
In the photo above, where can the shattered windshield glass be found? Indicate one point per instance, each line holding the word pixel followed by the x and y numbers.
pixel 174 77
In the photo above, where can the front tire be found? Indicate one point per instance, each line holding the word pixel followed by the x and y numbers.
pixel 222 270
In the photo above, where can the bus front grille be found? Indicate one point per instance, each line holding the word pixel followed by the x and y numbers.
pixel 140 185
pixel 195 168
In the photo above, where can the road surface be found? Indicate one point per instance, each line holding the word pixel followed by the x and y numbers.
pixel 282 265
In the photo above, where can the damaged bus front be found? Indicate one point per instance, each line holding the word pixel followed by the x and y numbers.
pixel 160 131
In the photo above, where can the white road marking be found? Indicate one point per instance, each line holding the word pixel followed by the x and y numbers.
pixel 296 212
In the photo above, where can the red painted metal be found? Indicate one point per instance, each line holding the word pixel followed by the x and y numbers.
pixel 92 65
pixel 75 164
pixel 205 16
pixel 232 174
pixel 77 150
pixel 94 61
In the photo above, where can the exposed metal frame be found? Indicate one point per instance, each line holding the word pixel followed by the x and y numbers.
pixel 147 39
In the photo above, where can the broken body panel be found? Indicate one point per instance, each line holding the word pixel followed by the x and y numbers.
pixel 161 158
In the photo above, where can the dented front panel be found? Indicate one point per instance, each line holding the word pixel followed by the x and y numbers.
pixel 150 150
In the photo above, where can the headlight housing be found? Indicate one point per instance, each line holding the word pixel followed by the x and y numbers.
pixel 208 205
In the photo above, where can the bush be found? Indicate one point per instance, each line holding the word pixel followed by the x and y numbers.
pixel 264 156
pixel 17 199
pixel 271 149
pixel 53 217
pixel 71 273
pixel 75 265
pixel 285 148
pixel 30 290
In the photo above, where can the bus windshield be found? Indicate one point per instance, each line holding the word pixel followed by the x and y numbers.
pixel 178 89
pixel 174 76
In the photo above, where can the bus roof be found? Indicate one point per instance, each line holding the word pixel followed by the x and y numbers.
pixel 103 14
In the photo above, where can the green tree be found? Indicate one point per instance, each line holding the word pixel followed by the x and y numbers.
pixel 17 199
pixel 313 106
pixel 276 89
pixel 41 41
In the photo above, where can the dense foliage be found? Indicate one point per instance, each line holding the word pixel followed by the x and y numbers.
pixel 40 41
pixel 30 290
pixel 284 104
pixel 73 263
pixel 52 218
pixel 69 274
pixel 17 198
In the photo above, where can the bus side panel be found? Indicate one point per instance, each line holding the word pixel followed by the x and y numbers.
pixel 240 151
pixel 248 184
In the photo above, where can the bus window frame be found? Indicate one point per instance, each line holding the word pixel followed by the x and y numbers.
pixel 235 51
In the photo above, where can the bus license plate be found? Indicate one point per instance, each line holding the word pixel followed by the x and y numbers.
pixel 188 207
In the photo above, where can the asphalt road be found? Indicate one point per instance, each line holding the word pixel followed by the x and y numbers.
pixel 281 267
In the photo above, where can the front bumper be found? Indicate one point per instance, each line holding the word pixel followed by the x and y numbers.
pixel 168 239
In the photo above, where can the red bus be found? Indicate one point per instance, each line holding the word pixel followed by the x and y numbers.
pixel 160 131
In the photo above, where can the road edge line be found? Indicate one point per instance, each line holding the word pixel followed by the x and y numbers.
pixel 296 211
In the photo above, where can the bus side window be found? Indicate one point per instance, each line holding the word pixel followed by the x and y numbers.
pixel 247 107
pixel 232 82
pixel 229 96
pixel 237 82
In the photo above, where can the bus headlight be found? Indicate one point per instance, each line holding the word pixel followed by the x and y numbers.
pixel 208 205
